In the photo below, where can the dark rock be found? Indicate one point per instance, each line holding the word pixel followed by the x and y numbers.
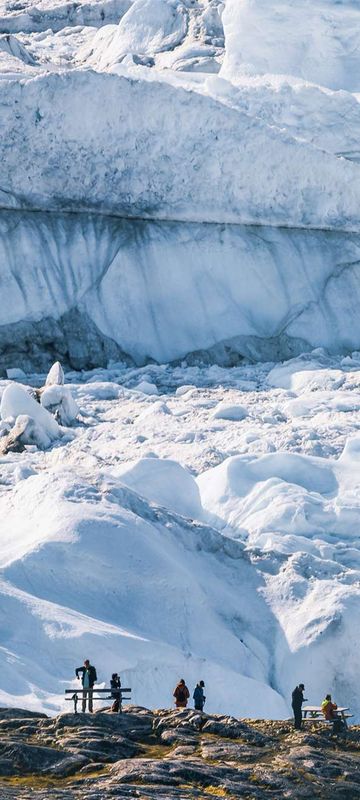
pixel 222 750
pixel 13 714
pixel 96 757
pixel 229 727
pixel 32 759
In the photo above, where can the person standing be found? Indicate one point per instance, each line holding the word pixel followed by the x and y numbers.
pixel 296 702
pixel 88 678
pixel 115 684
pixel 198 696
pixel 181 694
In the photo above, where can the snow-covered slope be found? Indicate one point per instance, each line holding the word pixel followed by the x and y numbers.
pixel 162 537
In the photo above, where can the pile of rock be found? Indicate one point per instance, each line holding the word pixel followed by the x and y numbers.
pixel 171 755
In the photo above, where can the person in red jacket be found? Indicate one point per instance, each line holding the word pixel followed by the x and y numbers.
pixel 181 694
pixel 329 708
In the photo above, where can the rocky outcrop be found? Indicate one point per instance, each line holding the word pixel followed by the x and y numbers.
pixel 174 755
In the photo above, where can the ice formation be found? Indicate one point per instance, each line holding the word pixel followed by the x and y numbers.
pixel 169 542
pixel 256 142
pixel 16 401
pixel 180 184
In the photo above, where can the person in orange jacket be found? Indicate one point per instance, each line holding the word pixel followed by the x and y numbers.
pixel 181 694
pixel 329 708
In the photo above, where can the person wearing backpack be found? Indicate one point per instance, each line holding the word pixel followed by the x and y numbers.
pixel 115 685
pixel 198 696
pixel 181 694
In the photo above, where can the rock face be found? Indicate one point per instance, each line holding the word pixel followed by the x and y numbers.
pixel 175 755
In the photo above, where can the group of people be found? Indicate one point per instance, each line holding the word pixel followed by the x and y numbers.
pixel 328 708
pixel 87 675
pixel 182 694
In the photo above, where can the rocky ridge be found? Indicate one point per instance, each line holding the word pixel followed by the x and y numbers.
pixel 171 755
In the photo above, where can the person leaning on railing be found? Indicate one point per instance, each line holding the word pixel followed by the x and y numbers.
pixel 115 684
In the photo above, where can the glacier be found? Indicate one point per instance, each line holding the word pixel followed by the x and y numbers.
pixel 162 290
pixel 255 171
pixel 179 226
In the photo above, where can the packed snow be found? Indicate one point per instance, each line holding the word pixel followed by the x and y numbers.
pixel 318 41
pixel 152 531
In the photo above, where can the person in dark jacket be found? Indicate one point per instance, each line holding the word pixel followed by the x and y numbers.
pixel 296 702
pixel 88 678
pixel 115 684
pixel 198 696
pixel 181 694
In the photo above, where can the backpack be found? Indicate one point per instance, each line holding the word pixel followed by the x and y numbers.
pixel 180 694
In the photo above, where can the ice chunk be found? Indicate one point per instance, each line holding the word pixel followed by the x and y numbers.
pixel 146 388
pixel 149 27
pixel 55 375
pixel 59 401
pixel 15 374
pixel 17 402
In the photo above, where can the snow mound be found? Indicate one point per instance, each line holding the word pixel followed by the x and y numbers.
pixel 261 494
pixel 141 561
pixel 234 413
pixel 17 402
pixel 164 482
pixel 309 404
pixel 149 27
pixel 317 41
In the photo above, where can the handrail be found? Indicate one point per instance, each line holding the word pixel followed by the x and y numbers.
pixel 80 693
pixel 95 689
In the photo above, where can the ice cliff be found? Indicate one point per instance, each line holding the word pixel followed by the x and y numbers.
pixel 198 191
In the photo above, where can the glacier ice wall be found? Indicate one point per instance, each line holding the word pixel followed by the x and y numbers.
pixel 63 150
pixel 161 290
pixel 205 213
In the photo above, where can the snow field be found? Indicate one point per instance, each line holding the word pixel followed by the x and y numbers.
pixel 156 531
